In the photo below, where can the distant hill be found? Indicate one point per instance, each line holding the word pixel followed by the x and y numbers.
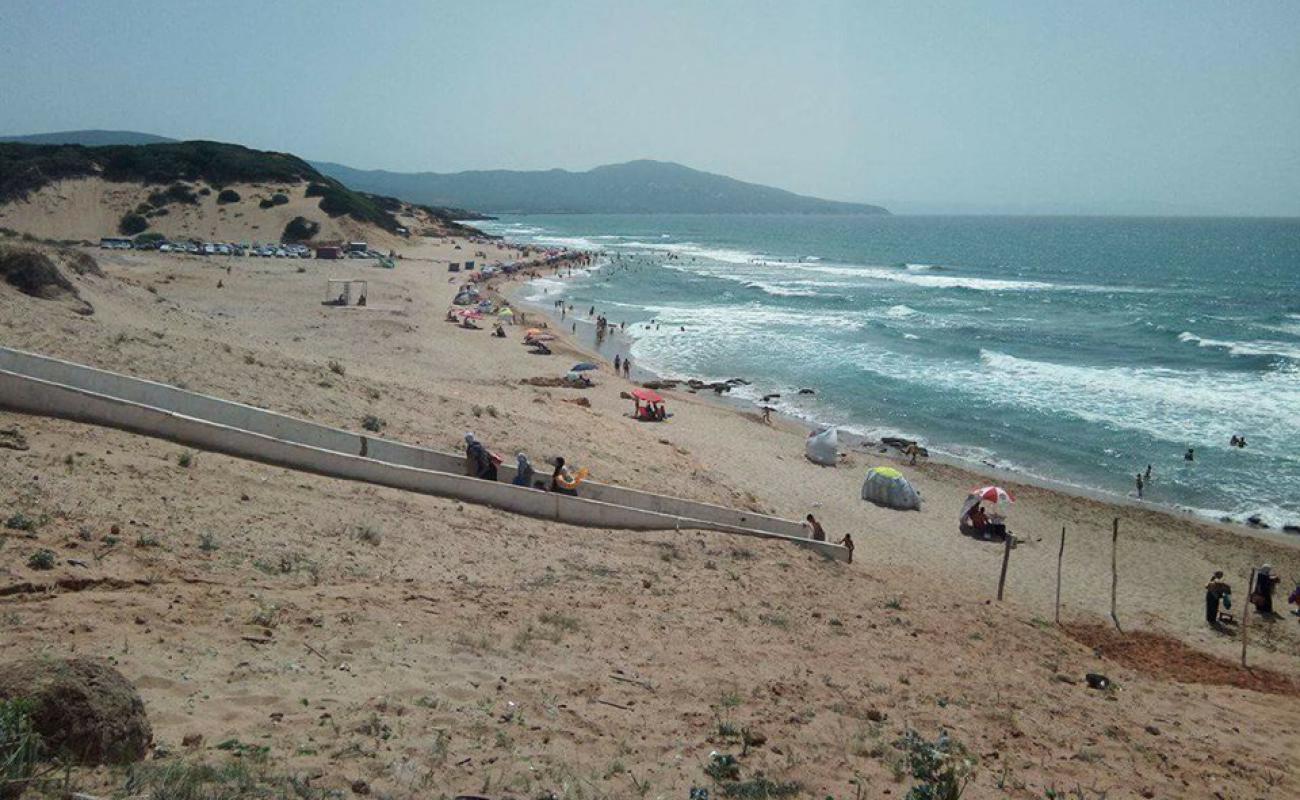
pixel 635 187
pixel 89 138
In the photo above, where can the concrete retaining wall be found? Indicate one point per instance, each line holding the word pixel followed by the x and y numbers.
pixel 279 426
pixel 38 396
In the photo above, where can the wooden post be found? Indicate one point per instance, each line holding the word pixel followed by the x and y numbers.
pixel 1006 556
pixel 1059 555
pixel 1245 617
pixel 1114 572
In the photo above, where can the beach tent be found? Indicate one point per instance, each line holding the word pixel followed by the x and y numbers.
pixel 822 447
pixel 653 410
pixel 886 486
pixel 583 367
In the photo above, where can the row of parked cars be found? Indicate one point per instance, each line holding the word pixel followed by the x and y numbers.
pixel 255 249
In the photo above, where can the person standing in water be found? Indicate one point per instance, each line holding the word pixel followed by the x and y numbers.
pixel 1139 485
pixel 1190 455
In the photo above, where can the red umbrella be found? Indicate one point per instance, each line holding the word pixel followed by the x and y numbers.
pixel 646 396
pixel 993 494
pixel 985 494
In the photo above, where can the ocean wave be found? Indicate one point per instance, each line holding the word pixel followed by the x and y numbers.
pixel 572 242
pixel 919 267
pixel 901 312
pixel 1268 349
pixel 1177 406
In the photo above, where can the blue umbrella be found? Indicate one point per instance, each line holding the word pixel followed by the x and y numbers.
pixel 583 367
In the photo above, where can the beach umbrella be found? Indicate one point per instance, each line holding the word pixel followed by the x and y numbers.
pixel 646 396
pixel 506 312
pixel 584 367
pixel 985 494
pixel 469 314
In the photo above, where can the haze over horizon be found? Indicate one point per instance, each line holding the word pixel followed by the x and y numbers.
pixel 1108 108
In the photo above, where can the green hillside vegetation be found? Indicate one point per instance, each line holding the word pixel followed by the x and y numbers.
pixel 27 168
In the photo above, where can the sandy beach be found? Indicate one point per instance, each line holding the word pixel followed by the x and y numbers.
pixel 427 647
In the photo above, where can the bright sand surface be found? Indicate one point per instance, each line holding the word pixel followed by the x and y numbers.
pixel 396 629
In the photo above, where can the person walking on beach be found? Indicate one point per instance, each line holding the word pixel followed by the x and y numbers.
pixel 618 363
pixel 767 415
pixel 1216 591
pixel 1139 485
pixel 814 528
pixel 627 367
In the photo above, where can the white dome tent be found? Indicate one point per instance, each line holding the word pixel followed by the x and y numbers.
pixel 886 486
pixel 822 447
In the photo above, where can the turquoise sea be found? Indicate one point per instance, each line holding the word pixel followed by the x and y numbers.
pixel 1076 350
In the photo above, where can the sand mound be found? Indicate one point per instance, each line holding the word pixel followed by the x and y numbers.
pixel 1169 659
pixel 33 273
pixel 82 708
pixel 89 208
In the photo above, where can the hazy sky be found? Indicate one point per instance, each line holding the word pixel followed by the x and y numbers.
pixel 1030 106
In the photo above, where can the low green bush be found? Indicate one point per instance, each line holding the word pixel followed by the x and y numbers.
pixel 131 224
pixel 228 196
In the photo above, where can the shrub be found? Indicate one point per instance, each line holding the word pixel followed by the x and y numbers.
pixel 228 196
pixel 372 423
pixel 299 229
pixel 205 191
pixel 42 559
pixel 208 542
pixel 942 769
pixel 131 224
pixel 337 368
pixel 185 459
pixel 150 237
pixel 20 747
pixel 176 193
pixel 21 522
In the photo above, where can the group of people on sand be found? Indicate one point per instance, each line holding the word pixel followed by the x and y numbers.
pixel 818 534
pixel 482 463
pixel 984 524
pixel 1218 595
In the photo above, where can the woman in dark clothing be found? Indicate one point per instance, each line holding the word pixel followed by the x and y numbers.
pixel 1215 592
pixel 557 476
pixel 1265 582
pixel 480 462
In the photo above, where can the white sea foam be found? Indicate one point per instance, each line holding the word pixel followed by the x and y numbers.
pixel 1257 348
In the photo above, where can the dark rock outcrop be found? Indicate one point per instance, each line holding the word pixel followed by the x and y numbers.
pixel 83 708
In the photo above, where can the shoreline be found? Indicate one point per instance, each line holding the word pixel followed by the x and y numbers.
pixel 861 444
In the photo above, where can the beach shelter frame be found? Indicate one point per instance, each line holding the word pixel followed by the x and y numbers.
pixel 350 290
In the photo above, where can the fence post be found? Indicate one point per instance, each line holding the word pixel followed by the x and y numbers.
pixel 1245 617
pixel 1006 556
pixel 1059 555
pixel 1114 572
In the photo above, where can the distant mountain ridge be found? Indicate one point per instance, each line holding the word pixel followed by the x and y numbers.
pixel 634 187
pixel 90 138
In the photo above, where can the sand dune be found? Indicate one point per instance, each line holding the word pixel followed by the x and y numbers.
pixel 88 208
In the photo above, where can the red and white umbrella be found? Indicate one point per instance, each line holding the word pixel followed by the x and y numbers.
pixel 470 314
pixel 987 494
